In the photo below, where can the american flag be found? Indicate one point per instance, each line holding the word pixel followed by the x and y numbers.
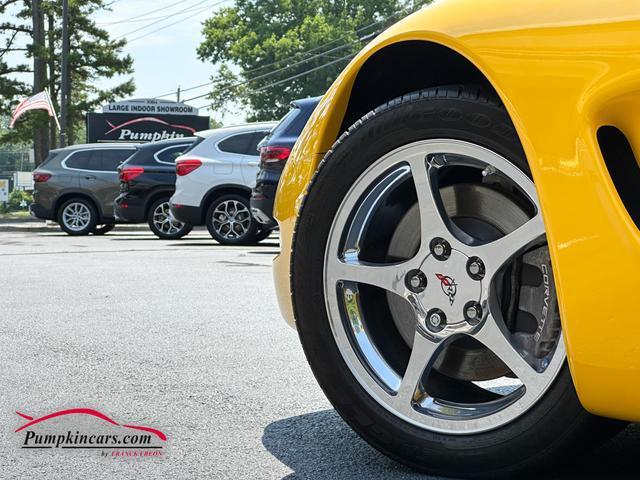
pixel 40 101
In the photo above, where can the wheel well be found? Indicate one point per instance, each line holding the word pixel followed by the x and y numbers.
pixel 153 198
pixel 407 67
pixel 223 190
pixel 67 196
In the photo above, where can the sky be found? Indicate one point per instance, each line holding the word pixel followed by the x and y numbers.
pixel 162 39
pixel 163 36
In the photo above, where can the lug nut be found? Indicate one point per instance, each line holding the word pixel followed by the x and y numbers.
pixel 473 312
pixel 416 281
pixel 440 249
pixel 436 320
pixel 475 268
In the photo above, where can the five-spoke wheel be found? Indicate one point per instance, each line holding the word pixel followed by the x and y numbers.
pixel 424 293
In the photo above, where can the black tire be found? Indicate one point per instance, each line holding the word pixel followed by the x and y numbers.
pixel 181 232
pixel 262 234
pixel 102 229
pixel 251 233
pixel 556 427
pixel 91 224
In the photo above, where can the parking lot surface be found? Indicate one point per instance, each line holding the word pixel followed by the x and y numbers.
pixel 184 336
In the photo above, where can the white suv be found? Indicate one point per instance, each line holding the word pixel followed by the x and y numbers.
pixel 214 181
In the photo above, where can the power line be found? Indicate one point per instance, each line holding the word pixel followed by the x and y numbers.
pixel 304 53
pixel 175 23
pixel 304 60
pixel 269 74
pixel 341 47
pixel 126 20
pixel 303 74
pixel 171 15
pixel 280 82
pixel 293 77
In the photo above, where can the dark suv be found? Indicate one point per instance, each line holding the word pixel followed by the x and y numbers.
pixel 274 152
pixel 147 181
pixel 75 186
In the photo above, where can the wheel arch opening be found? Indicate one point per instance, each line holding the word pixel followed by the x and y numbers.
pixel 69 195
pixel 154 197
pixel 220 191
pixel 407 67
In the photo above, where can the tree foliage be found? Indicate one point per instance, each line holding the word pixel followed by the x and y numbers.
pixel 271 52
pixel 10 35
pixel 94 55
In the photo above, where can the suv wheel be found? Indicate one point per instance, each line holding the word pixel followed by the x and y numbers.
pixel 161 223
pixel 77 216
pixel 230 222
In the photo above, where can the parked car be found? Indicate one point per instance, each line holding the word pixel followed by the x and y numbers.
pixel 147 181
pixel 75 186
pixel 274 153
pixel 451 324
pixel 214 183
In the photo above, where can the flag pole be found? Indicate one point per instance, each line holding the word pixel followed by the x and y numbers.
pixel 53 110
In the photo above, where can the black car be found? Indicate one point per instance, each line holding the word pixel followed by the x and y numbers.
pixel 274 153
pixel 147 181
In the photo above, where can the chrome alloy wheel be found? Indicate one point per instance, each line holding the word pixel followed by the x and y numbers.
pixel 76 216
pixel 163 221
pixel 231 219
pixel 453 286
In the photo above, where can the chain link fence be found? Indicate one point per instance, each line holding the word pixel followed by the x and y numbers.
pixel 15 179
pixel 12 161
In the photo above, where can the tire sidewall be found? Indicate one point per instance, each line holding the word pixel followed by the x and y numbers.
pixel 92 222
pixel 508 448
pixel 185 230
pixel 102 230
pixel 247 239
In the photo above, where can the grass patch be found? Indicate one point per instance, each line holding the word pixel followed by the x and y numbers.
pixel 22 214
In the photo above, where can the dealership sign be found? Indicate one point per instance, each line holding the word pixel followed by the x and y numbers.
pixel 150 106
pixel 144 121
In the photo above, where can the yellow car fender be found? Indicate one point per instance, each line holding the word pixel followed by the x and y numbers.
pixel 562 70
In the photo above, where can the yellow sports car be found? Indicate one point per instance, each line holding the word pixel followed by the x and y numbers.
pixel 460 242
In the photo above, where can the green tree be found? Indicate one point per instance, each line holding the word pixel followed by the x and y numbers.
pixel 94 55
pixel 11 33
pixel 270 52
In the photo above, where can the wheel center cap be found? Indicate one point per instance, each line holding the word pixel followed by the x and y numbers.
pixel 449 287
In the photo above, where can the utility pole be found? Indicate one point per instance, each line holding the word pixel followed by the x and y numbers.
pixel 178 94
pixel 64 74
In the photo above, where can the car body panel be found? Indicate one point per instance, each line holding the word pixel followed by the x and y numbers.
pixel 157 181
pixel 285 135
pixel 100 186
pixel 562 70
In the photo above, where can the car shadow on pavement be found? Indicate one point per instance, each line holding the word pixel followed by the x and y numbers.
pixel 321 446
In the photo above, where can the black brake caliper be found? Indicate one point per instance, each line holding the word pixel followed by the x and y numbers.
pixel 534 312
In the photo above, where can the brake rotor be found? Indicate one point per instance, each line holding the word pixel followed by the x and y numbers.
pixel 486 215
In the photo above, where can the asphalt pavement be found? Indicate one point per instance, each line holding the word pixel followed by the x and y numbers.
pixel 185 337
